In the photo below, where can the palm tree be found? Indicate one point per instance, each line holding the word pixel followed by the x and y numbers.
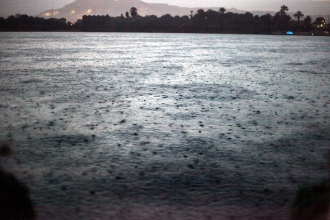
pixel 191 14
pixel 298 15
pixel 222 10
pixel 283 9
pixel 133 11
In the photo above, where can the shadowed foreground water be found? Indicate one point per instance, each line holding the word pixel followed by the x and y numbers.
pixel 169 126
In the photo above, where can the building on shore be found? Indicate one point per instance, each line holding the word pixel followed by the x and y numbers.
pixel 321 27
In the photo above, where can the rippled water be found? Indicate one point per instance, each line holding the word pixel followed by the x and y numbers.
pixel 167 126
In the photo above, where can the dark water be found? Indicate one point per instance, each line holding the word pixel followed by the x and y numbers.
pixel 169 126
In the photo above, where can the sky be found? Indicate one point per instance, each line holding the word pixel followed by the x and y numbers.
pixel 310 7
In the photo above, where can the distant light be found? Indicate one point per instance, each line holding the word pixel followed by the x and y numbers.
pixel 47 14
pixel 56 12
pixel 73 11
pixel 89 11
pixel 289 33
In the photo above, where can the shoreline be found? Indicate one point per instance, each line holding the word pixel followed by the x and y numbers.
pixel 162 32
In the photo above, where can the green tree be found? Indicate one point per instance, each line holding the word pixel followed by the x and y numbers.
pixel 212 17
pixel 201 17
pixel 133 12
pixel 308 20
pixel 200 12
pixel 222 10
pixel 298 15
pixel 307 24
pixel 266 23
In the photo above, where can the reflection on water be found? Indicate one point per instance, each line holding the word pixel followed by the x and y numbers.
pixel 169 125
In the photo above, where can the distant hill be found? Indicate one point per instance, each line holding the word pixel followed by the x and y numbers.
pixel 74 11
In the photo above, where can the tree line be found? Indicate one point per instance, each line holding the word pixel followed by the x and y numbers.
pixel 30 23
pixel 212 21
pixel 201 21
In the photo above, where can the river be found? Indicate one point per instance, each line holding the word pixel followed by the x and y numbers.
pixel 168 126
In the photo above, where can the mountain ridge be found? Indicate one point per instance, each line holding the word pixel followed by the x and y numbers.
pixel 75 10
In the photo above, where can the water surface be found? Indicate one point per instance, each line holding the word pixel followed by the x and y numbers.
pixel 170 126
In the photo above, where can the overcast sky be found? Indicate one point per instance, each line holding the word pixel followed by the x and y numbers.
pixel 33 7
